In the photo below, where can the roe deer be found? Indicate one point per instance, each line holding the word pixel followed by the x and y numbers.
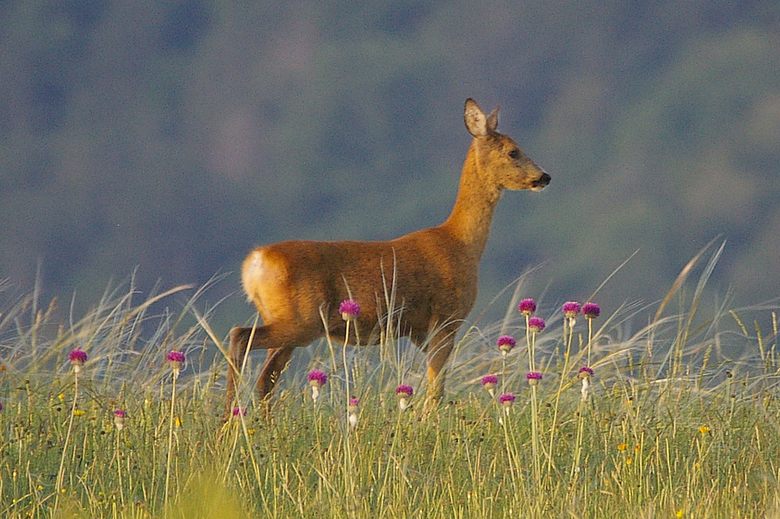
pixel 435 270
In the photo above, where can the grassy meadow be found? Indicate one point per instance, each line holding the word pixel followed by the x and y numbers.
pixel 680 418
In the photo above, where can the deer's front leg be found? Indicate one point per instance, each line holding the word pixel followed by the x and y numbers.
pixel 439 351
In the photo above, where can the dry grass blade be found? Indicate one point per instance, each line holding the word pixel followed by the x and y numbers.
pixel 593 295
pixel 681 277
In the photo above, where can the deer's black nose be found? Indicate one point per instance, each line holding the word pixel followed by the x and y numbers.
pixel 543 180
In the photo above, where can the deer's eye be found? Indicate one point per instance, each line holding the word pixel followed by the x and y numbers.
pixel 514 154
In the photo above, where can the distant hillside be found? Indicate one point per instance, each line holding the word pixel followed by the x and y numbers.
pixel 172 137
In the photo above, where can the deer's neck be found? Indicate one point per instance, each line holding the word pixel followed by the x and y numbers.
pixel 472 215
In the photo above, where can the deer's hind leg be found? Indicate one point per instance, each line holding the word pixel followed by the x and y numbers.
pixel 278 339
pixel 275 362
pixel 239 340
pixel 263 337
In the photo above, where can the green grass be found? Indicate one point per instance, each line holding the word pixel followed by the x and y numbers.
pixel 682 420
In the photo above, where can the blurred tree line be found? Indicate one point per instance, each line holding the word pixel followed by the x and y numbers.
pixel 173 136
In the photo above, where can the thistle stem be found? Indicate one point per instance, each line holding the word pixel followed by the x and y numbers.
pixel 119 468
pixel 170 439
pixel 590 338
pixel 535 435
pixel 568 339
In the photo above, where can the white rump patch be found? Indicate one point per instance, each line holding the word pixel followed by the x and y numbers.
pixel 252 271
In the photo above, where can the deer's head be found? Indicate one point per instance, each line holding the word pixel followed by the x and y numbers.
pixel 498 156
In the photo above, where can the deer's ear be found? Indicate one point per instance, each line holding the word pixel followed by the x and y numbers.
pixel 476 122
pixel 492 120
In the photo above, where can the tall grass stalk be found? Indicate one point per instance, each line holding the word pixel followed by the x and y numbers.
pixel 568 333
pixel 61 472
pixel 513 456
pixel 582 408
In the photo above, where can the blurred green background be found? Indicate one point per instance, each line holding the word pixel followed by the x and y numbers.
pixel 173 136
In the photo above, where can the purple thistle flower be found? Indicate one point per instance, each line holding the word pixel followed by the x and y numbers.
pixel 585 372
pixel 533 377
pixel 507 399
pixel 536 324
pixel 239 411
pixel 352 410
pixel 77 356
pixel 349 309
pixel 175 356
pixel 119 419
pixel 591 310
pixel 77 359
pixel 527 306
pixel 404 391
pixel 175 360
pixel 571 309
pixel 490 382
pixel 1 406
pixel 506 343
pixel 317 378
